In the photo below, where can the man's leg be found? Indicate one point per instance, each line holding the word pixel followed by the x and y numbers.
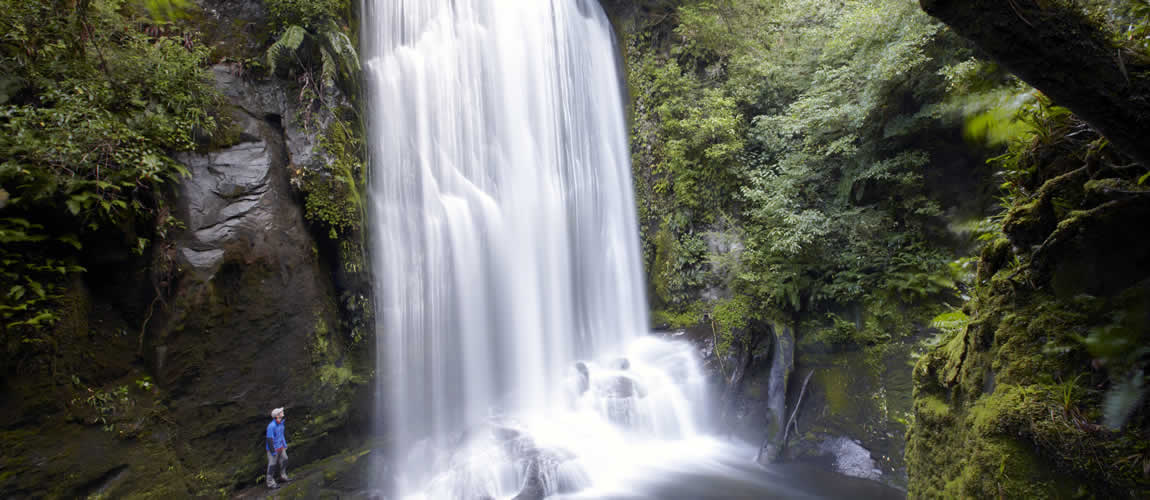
pixel 271 470
pixel 283 466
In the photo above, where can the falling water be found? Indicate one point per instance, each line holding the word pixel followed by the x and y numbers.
pixel 513 356
pixel 505 243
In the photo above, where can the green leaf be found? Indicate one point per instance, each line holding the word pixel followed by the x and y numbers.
pixel 37 288
pixel 1123 399
pixel 71 239
pixel 285 46
pixel 1142 180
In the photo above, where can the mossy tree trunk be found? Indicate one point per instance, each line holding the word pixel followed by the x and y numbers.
pixel 1054 48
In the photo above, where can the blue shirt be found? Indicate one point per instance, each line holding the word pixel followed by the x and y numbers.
pixel 276 434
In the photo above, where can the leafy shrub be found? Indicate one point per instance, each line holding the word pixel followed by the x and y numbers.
pixel 306 13
pixel 93 104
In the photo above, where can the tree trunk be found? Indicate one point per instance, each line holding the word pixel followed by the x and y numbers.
pixel 1058 51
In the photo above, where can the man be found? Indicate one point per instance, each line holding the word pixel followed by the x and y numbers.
pixel 277 449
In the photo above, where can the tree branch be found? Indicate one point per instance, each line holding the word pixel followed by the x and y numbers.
pixel 1058 51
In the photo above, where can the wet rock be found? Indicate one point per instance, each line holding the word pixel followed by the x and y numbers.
pixel 620 386
pixel 505 433
pixel 534 487
pixel 850 458
pixel 543 477
pixel 234 28
pixel 251 296
pixel 769 454
pixel 583 381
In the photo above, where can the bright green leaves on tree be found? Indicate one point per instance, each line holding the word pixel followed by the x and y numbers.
pixel 835 204
pixel 92 104
pixel 167 9
pixel 700 136
pixel 801 117
pixel 312 42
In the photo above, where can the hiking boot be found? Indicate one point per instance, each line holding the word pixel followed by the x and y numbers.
pixel 284 479
pixel 273 486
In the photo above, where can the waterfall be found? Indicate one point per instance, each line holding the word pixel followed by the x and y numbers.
pixel 505 244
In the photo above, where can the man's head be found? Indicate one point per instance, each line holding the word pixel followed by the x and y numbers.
pixel 278 414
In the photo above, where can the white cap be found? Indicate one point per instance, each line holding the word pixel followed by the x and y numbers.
pixel 277 412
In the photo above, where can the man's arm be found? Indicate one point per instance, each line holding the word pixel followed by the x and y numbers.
pixel 271 436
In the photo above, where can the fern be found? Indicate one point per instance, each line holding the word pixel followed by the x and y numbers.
pixel 1123 399
pixel 339 61
pixel 328 70
pixel 285 46
pixel 950 322
pixel 340 46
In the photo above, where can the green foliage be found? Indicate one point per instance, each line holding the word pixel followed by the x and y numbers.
pixel 801 117
pixel 306 13
pixel 678 267
pixel 841 331
pixel 105 406
pixel 951 322
pixel 699 136
pixel 1124 399
pixel 334 196
pixel 312 43
pixel 689 316
pixel 835 205
pixel 1128 22
pixel 1065 359
pixel 731 318
pixel 166 9
pixel 1121 344
pixel 285 46
pixel 93 103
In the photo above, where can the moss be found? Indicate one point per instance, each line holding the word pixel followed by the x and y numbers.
pixel 1002 468
pixel 994 256
pixel 997 391
pixel 836 385
pixel 731 317
pixel 335 376
pixel 933 408
pixel 661 268
pixel 839 333
pixel 688 316
pixel 327 203
pixel 334 188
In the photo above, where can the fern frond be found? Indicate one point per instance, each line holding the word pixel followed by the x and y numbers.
pixel 1123 399
pixel 343 50
pixel 949 322
pixel 285 46
pixel 329 71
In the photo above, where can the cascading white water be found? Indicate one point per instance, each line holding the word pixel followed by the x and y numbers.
pixel 505 248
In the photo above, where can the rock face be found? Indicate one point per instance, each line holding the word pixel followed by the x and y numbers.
pixel 237 202
pixel 175 364
pixel 250 324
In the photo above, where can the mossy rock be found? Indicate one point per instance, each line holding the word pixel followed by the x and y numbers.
pixel 1009 408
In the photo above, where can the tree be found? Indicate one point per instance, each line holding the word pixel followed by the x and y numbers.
pixel 1056 48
